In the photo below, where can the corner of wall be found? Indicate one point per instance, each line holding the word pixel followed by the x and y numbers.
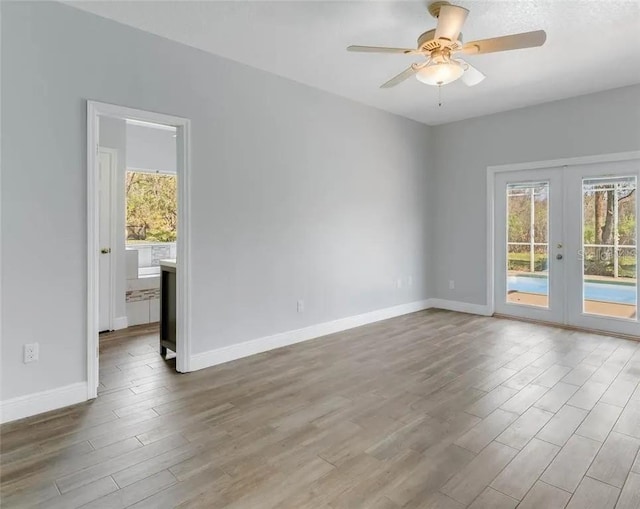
pixel 431 168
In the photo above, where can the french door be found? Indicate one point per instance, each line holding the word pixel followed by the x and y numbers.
pixel 566 245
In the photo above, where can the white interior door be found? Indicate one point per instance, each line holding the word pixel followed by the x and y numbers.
pixel 106 286
pixel 566 245
pixel 602 209
pixel 528 251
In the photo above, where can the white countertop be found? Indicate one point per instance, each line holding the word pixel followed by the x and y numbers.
pixel 168 263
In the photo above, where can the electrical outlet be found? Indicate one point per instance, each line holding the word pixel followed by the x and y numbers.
pixel 300 306
pixel 452 284
pixel 399 283
pixel 30 352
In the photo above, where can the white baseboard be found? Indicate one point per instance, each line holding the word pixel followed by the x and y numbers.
pixel 32 404
pixel 121 322
pixel 254 346
pixel 461 307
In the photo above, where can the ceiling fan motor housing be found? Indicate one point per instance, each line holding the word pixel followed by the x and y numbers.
pixel 427 42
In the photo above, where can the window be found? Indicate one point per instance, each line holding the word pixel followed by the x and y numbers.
pixel 152 212
pixel 151 220
pixel 609 249
pixel 528 244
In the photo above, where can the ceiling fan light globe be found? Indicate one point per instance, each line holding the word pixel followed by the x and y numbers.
pixel 440 73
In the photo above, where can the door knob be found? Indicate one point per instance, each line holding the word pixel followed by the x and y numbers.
pixel 105 250
pixel 558 256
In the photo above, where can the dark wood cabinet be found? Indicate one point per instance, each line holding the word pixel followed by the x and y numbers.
pixel 167 307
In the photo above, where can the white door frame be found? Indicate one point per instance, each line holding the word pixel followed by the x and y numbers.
pixel 94 111
pixel 534 165
pixel 112 231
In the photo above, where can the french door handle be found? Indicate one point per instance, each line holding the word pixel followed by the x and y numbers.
pixel 559 256
pixel 105 250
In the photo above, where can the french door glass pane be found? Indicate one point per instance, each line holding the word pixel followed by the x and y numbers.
pixel 609 246
pixel 528 244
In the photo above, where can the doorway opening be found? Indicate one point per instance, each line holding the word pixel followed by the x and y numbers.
pixel 138 228
pixel 565 244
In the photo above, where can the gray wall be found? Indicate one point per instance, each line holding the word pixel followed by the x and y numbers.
pixel 296 193
pixel 593 124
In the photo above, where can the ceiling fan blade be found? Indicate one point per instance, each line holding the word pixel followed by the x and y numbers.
pixel 450 21
pixel 506 43
pixel 407 73
pixel 471 76
pixel 381 49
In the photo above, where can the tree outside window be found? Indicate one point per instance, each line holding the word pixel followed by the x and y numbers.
pixel 152 212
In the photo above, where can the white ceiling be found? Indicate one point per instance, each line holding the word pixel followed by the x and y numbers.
pixel 591 46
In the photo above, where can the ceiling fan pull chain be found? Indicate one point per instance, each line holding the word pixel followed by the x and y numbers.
pixel 439 95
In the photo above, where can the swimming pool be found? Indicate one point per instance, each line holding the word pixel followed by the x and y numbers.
pixel 604 292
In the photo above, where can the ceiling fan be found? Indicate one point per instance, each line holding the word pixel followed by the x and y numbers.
pixel 440 45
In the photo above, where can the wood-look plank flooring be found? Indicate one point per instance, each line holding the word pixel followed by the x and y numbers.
pixel 433 409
